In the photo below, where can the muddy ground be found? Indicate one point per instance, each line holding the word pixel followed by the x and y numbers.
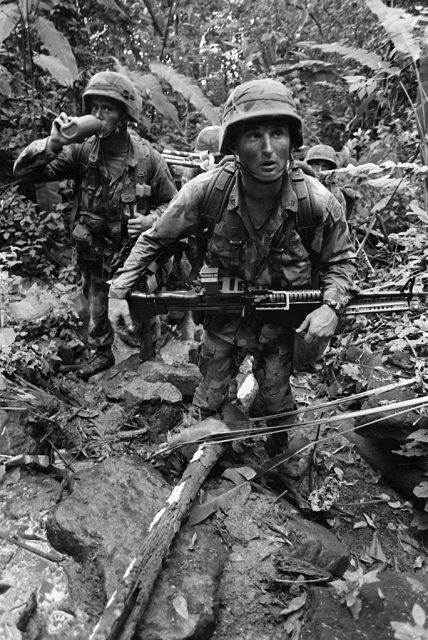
pixel 323 549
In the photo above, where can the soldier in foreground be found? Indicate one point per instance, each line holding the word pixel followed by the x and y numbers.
pixel 257 237
pixel 122 187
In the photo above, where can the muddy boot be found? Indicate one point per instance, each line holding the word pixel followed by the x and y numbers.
pixel 100 360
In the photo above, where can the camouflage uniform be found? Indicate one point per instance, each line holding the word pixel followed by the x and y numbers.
pixel 227 338
pixel 273 256
pixel 104 205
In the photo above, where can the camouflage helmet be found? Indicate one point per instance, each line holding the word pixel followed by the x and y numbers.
pixel 113 85
pixel 208 139
pixel 322 152
pixel 256 99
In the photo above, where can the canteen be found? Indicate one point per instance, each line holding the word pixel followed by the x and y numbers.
pixel 79 128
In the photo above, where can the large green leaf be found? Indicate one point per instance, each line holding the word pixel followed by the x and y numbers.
pixel 55 68
pixel 151 90
pixel 367 58
pixel 9 17
pixel 58 46
pixel 188 89
pixel 399 26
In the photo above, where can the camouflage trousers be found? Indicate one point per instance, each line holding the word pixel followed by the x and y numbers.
pixel 95 289
pixel 219 360
pixel 101 335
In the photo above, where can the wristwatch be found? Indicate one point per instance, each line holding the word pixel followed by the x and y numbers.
pixel 334 304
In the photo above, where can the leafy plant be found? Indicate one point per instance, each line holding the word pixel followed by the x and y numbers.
pixel 350 587
pixel 407 631
pixel 29 231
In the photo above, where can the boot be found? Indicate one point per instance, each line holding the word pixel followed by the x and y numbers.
pixel 100 360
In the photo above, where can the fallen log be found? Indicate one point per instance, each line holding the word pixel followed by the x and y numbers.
pixel 124 610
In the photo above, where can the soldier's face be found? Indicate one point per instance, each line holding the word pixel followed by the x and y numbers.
pixel 263 148
pixel 109 111
pixel 321 165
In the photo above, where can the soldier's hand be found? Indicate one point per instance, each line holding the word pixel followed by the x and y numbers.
pixel 56 140
pixel 320 323
pixel 139 223
pixel 119 316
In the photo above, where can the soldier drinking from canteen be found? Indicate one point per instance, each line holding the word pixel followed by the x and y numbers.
pixel 122 187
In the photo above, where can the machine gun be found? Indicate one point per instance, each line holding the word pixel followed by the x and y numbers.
pixel 233 296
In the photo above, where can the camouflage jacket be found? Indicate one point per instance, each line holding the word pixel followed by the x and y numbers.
pixel 331 241
pixel 144 185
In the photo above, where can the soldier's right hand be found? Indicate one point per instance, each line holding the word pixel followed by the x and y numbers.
pixel 56 140
pixel 119 316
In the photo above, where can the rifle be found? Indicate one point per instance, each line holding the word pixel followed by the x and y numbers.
pixel 233 296
pixel 193 159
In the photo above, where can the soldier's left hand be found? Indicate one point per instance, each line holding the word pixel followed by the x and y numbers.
pixel 138 224
pixel 320 323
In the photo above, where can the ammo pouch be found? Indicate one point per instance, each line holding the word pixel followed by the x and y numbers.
pixel 84 235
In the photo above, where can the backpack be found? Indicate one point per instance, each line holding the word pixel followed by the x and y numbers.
pixel 217 196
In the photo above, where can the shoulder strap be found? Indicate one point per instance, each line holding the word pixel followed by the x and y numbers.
pixel 217 195
pixel 214 202
pixel 306 219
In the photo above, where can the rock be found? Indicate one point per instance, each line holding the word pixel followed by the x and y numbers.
pixel 253 564
pixel 38 598
pixel 184 602
pixel 102 522
pixel 390 599
pixel 317 545
pixel 177 351
pixel 30 309
pixel 184 376
pixel 136 392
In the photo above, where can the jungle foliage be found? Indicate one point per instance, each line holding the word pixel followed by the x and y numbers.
pixel 358 70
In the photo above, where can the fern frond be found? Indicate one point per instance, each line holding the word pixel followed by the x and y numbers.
pixel 364 57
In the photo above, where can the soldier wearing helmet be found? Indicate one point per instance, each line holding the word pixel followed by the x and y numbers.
pixel 122 186
pixel 208 140
pixel 256 238
pixel 322 158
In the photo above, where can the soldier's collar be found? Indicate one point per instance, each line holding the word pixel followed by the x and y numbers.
pixel 288 195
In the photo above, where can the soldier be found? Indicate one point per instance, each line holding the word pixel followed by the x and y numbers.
pixel 256 238
pixel 322 157
pixel 122 186
pixel 208 139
